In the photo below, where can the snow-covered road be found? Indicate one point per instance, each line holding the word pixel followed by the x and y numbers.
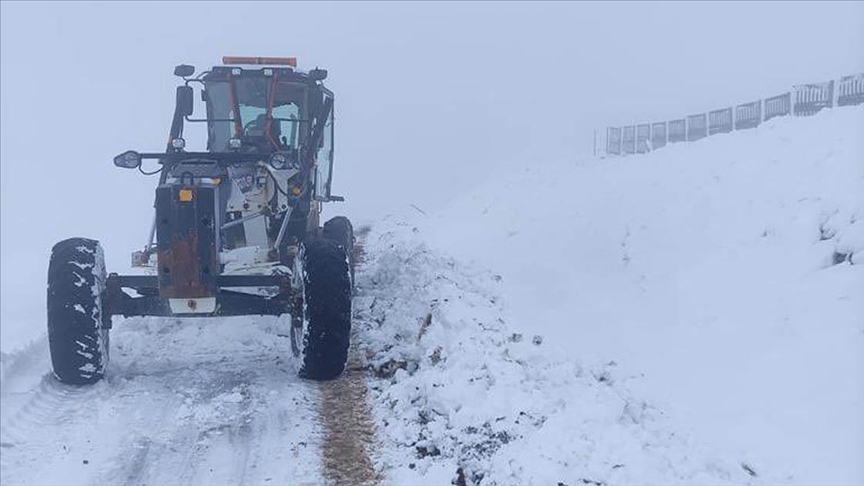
pixel 185 402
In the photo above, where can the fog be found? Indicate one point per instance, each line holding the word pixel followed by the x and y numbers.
pixel 430 98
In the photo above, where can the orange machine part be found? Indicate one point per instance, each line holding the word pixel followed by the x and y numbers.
pixel 274 61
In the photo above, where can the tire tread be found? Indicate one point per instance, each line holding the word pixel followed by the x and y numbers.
pixel 76 339
pixel 328 310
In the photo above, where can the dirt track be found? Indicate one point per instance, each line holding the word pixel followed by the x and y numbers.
pixel 348 427
pixel 345 415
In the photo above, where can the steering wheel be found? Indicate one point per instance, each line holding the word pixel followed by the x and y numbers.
pixel 248 124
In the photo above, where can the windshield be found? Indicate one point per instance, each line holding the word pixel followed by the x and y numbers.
pixel 239 107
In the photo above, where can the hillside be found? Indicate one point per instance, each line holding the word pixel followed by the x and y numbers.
pixel 724 278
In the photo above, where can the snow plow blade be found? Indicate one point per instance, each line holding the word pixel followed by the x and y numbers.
pixel 148 302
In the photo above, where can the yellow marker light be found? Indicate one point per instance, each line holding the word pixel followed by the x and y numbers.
pixel 184 195
pixel 217 181
pixel 296 191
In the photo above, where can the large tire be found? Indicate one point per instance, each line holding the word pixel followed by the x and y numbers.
pixel 77 338
pixel 339 229
pixel 327 309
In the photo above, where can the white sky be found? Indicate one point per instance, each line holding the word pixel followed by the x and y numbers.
pixel 430 98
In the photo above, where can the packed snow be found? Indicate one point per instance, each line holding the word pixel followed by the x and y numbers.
pixel 184 401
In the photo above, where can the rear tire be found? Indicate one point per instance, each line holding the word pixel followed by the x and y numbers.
pixel 340 230
pixel 76 336
pixel 327 319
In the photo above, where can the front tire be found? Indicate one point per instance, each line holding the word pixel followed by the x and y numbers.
pixel 77 336
pixel 340 230
pixel 327 309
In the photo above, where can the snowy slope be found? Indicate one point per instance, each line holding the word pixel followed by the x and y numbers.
pixel 462 395
pixel 716 272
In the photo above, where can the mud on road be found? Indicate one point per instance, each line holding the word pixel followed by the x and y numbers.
pixel 349 430
pixel 348 427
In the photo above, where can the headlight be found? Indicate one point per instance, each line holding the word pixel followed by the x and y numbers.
pixel 234 143
pixel 178 143
pixel 128 160
pixel 281 160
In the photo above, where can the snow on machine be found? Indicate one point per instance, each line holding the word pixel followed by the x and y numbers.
pixel 236 228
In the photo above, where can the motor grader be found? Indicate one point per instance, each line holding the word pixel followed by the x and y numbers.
pixel 236 227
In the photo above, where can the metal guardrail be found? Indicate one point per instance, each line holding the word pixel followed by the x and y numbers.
pixel 802 100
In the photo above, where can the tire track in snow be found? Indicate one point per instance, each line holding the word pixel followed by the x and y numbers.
pixel 48 405
pixel 247 419
pixel 189 402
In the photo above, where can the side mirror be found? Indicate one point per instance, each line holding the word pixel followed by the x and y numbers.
pixel 184 100
pixel 184 70
pixel 129 159
pixel 318 74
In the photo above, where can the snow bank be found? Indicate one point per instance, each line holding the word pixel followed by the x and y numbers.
pixel 726 274
pixel 462 397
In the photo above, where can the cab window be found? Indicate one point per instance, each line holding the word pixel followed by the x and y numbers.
pixel 324 163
